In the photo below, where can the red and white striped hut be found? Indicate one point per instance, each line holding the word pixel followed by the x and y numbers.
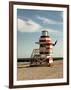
pixel 46 47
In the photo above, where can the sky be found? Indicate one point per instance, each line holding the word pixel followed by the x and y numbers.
pixel 30 23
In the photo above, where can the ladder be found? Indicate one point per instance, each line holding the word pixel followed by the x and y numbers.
pixel 35 53
pixel 36 57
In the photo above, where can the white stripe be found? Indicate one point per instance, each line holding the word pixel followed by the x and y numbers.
pixel 44 49
pixel 51 46
pixel 51 61
pixel 42 42
pixel 50 51
pixel 48 55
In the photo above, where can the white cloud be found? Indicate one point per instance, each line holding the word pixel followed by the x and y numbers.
pixel 27 26
pixel 31 26
pixel 47 20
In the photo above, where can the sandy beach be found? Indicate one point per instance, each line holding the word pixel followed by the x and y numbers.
pixel 25 72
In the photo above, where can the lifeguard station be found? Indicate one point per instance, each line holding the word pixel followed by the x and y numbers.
pixel 45 51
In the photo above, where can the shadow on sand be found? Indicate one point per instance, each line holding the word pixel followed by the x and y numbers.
pixel 35 65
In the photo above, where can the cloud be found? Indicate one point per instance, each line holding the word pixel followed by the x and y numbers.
pixel 31 26
pixel 27 26
pixel 47 20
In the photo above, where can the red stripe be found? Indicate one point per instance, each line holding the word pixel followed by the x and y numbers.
pixel 44 36
pixel 45 40
pixel 48 44
pixel 45 53
pixel 47 48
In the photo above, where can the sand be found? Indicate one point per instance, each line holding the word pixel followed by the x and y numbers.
pixel 24 72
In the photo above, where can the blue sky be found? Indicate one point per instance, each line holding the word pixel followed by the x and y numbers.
pixel 30 23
